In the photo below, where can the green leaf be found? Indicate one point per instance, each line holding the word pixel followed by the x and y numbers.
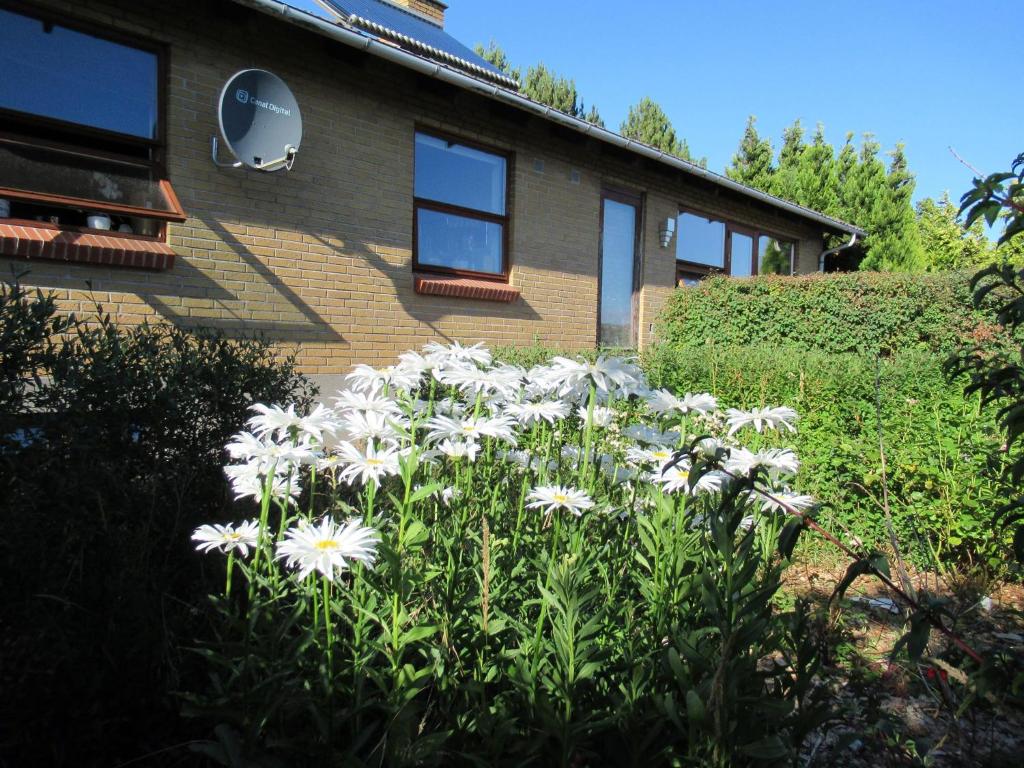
pixel 768 748
pixel 694 707
pixel 789 535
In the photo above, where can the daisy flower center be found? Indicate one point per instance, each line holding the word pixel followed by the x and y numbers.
pixel 326 545
pixel 374 462
pixel 561 498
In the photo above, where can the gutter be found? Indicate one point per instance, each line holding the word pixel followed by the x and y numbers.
pixel 833 251
pixel 449 75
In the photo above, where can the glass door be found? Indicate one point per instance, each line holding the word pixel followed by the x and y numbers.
pixel 620 219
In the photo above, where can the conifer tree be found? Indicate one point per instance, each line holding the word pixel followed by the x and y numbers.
pixel 543 85
pixel 945 242
pixel 817 179
pixel 648 123
pixel 593 116
pixel 785 180
pixel 864 194
pixel 752 163
pixel 495 55
pixel 895 243
pixel 846 164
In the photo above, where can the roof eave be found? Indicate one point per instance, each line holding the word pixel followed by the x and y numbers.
pixel 433 68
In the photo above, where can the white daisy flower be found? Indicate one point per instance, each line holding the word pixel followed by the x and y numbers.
pixel 661 401
pixel 446 428
pixel 553 497
pixel 792 501
pixel 327 547
pixel 602 417
pixel 778 462
pixel 459 449
pixel 366 378
pixel 370 425
pixel 658 455
pixel 372 464
pixel 608 374
pixel 365 402
pixel 440 354
pixel 677 478
pixel 761 418
pixel 247 481
pixel 226 538
pixel 645 434
pixel 503 380
pixel 532 413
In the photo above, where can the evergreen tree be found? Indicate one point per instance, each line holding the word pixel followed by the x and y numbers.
pixel 752 163
pixel 785 181
pixel 944 240
pixel 593 116
pixel 864 198
pixel 543 85
pixel 495 55
pixel 648 123
pixel 846 164
pixel 895 241
pixel 817 175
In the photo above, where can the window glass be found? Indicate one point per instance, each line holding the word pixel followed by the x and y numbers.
pixel 741 255
pixel 52 71
pixel 775 257
pixel 447 172
pixel 618 255
pixel 458 242
pixel 700 241
pixel 70 174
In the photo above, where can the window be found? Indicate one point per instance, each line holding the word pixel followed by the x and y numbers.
pixel 81 126
pixel 706 246
pixel 620 216
pixel 460 208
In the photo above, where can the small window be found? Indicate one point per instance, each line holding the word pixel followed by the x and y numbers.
pixel 774 256
pixel 81 129
pixel 705 246
pixel 460 208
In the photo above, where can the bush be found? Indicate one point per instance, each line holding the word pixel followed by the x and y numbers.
pixel 110 451
pixel 860 312
pixel 943 490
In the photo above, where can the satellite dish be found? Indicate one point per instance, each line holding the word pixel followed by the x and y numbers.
pixel 259 120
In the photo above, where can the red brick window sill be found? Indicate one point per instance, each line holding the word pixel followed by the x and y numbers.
pixel 35 240
pixel 464 288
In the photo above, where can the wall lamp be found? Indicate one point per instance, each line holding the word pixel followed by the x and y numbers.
pixel 668 228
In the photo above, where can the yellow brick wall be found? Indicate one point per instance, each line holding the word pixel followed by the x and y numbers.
pixel 319 259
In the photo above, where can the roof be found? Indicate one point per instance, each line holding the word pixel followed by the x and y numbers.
pixel 416 55
pixel 418 33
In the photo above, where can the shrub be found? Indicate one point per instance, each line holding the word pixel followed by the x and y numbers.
pixel 859 312
pixel 111 451
pixel 942 487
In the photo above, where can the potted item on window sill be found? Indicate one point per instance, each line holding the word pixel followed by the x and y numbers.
pixel 97 221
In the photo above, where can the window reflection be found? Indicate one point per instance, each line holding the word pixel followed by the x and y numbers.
pixel 775 257
pixel 56 72
pixel 741 255
pixel 700 241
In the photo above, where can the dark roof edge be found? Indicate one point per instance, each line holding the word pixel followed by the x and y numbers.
pixel 450 74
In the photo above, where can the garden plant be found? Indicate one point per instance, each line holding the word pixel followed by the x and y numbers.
pixel 468 562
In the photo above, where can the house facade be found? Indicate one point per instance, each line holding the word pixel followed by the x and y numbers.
pixel 428 199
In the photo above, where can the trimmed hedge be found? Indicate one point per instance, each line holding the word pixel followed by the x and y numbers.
pixel 943 489
pixel 859 312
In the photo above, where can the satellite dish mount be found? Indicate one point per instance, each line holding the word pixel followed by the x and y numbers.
pixel 260 122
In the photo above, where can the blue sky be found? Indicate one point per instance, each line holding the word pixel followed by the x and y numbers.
pixel 931 74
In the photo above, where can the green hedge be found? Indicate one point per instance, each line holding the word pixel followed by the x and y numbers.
pixel 857 312
pixel 938 442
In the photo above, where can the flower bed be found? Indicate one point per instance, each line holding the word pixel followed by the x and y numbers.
pixel 469 561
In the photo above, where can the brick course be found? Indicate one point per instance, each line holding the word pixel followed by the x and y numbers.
pixel 319 258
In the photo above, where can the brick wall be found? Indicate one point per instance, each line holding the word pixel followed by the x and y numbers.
pixel 318 259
